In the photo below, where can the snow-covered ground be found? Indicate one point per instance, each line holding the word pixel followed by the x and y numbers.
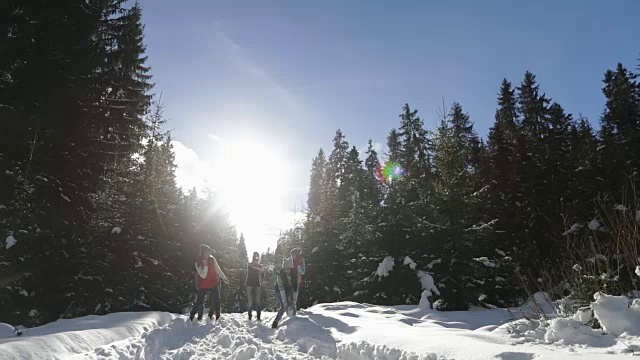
pixel 344 330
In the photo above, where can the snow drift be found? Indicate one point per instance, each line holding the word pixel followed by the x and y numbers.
pixel 345 330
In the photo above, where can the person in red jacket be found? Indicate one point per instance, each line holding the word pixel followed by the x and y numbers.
pixel 208 271
pixel 299 264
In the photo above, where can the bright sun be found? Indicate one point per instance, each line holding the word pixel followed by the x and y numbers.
pixel 252 180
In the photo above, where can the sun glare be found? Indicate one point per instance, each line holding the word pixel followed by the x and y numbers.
pixel 252 179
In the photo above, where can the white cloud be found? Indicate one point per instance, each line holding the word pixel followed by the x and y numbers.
pixel 191 170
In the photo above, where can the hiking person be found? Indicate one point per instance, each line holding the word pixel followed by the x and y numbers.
pixel 254 285
pixel 286 290
pixel 208 275
pixel 299 265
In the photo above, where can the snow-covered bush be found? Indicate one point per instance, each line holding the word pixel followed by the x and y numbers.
pixel 601 256
pixel 605 254
pixel 400 281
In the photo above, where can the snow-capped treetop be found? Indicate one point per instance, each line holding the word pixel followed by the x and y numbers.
pixel 10 241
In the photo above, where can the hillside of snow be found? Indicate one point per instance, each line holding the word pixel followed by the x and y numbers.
pixel 344 330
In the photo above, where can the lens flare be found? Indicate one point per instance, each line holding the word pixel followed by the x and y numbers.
pixel 389 172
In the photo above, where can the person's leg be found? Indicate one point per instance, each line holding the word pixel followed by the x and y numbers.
pixel 289 304
pixel 249 301
pixel 215 303
pixel 282 310
pixel 258 302
pixel 197 307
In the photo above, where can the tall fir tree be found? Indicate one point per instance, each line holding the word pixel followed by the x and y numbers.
pixel 620 130
pixel 454 242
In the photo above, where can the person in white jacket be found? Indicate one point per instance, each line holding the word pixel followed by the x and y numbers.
pixel 207 273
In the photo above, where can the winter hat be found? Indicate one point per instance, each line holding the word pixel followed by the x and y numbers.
pixel 296 252
pixel 256 255
pixel 204 248
pixel 287 263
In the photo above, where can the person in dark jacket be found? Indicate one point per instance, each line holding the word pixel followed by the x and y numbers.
pixel 207 278
pixel 286 290
pixel 254 285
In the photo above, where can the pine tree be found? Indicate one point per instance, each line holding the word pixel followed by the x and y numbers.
pixel 355 175
pixel 557 168
pixel 394 145
pixel 584 157
pixel 455 243
pixel 338 157
pixel 372 192
pixel 620 130
pixel 502 196
pixel 414 156
pixel 241 294
pixel 314 202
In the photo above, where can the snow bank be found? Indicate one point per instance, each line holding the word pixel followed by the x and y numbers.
pixel 345 330
pixel 558 331
pixel 566 331
pixel 616 315
pixel 65 337
pixel 6 331
pixel 363 350
pixel 310 337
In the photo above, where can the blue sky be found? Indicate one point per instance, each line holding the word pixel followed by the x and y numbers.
pixel 289 73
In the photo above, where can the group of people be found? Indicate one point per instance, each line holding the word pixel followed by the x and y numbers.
pixel 288 281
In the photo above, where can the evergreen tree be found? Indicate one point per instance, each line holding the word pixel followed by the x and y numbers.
pixel 314 202
pixel 241 294
pixel 338 157
pixel 414 156
pixel 394 146
pixel 454 187
pixel 372 193
pixel 620 130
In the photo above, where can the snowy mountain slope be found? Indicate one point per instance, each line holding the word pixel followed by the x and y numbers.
pixel 345 330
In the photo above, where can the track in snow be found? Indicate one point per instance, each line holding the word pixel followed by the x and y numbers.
pixel 232 337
